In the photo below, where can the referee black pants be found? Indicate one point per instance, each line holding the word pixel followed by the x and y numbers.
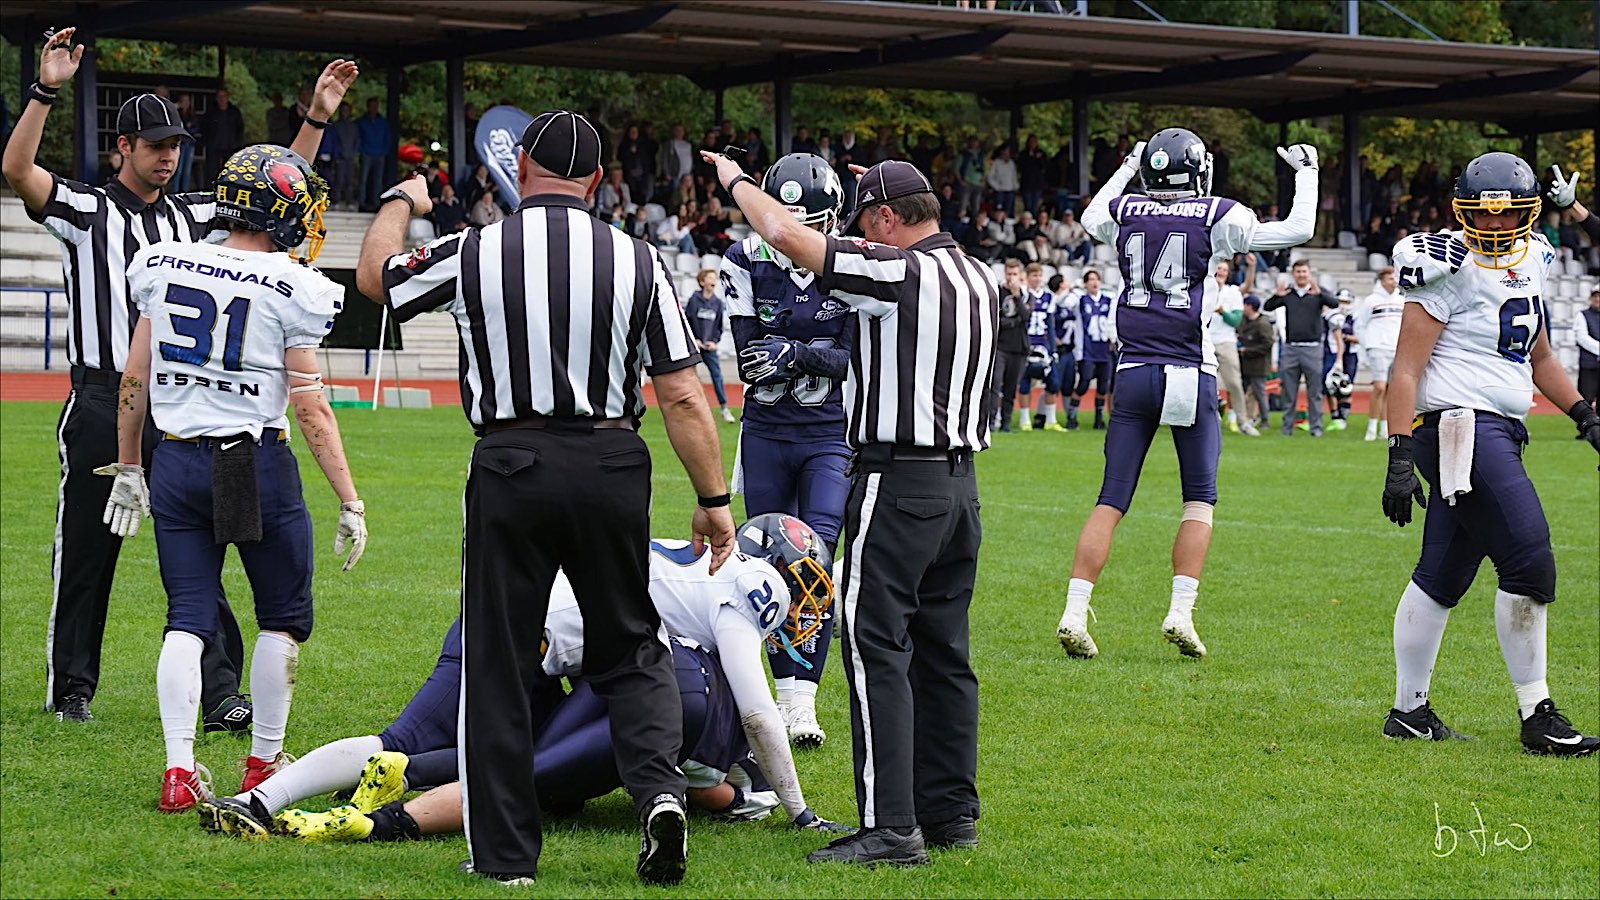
pixel 909 568
pixel 85 554
pixel 538 500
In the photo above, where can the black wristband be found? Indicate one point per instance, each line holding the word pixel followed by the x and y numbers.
pixel 716 502
pixel 318 124
pixel 1580 412
pixel 38 92
pixel 735 183
pixel 1400 444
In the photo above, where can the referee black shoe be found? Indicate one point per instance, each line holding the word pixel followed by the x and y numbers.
pixel 1548 733
pixel 511 879
pixel 232 714
pixel 1420 724
pixel 664 845
pixel 74 708
pixel 960 833
pixel 871 847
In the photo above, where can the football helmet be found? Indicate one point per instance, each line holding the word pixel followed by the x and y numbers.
pixel 1175 166
pixel 807 187
pixel 1494 183
pixel 1338 384
pixel 805 564
pixel 1345 295
pixel 269 188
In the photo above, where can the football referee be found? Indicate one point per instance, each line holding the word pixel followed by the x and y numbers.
pixel 917 405
pixel 557 311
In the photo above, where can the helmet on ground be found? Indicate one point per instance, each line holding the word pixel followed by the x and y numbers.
pixel 271 189
pixel 807 187
pixel 1338 384
pixel 803 560
pixel 1175 166
pixel 1495 183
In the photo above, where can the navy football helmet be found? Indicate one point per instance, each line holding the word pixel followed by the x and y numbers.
pixel 1175 166
pixel 1494 183
pixel 802 559
pixel 269 188
pixel 807 187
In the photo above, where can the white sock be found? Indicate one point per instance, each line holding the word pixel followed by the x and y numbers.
pixel 785 687
pixel 1185 591
pixel 805 694
pixel 1418 630
pixel 178 695
pixel 1383 428
pixel 1520 623
pixel 1233 416
pixel 272 668
pixel 1079 592
pixel 1050 413
pixel 330 767
pixel 1372 427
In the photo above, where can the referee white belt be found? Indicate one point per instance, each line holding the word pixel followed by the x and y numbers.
pixel 555 423
pixel 1305 343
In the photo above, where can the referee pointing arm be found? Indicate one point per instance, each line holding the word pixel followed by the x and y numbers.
pixel 917 402
pixel 557 312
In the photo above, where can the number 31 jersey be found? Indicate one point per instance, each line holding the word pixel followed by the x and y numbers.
pixel 220 320
pixel 1491 319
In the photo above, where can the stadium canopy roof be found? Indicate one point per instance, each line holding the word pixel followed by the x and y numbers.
pixel 1007 58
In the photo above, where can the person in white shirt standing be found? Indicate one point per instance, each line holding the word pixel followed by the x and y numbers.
pixel 1378 333
pixel 1225 340
pixel 226 340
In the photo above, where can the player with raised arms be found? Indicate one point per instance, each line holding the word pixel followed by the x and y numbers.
pixel 226 341
pixel 794 345
pixel 1474 344
pixel 1169 240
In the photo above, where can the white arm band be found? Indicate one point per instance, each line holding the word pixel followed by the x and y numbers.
pixel 314 377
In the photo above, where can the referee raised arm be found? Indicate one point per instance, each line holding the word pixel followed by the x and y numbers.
pixel 557 312
pixel 917 404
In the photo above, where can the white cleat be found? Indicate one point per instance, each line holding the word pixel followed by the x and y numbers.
pixel 804 732
pixel 1073 633
pixel 1179 630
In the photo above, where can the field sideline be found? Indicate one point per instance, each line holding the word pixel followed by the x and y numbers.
pixel 1259 771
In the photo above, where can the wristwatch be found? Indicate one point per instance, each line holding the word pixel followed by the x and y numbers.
pixel 395 193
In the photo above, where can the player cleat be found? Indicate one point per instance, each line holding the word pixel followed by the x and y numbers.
pixel 872 847
pixel 664 842
pixel 1233 425
pixel 1024 422
pixel 74 708
pixel 1248 430
pixel 1053 425
pixel 804 732
pixel 1419 724
pixel 727 415
pixel 259 770
pixel 1338 425
pixel 1548 733
pixel 1179 630
pixel 342 823
pixel 1099 421
pixel 181 789
pixel 1072 419
pixel 244 819
pixel 382 781
pixel 232 714
pixel 1073 633
pixel 757 805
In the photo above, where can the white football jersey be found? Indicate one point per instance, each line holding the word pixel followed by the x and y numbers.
pixel 1378 320
pixel 1492 319
pixel 220 320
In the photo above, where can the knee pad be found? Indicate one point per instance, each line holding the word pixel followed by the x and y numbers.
pixel 1196 511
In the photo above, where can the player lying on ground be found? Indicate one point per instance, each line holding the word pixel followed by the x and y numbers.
pixel 1473 345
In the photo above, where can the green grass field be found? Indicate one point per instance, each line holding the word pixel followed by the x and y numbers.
pixel 1259 771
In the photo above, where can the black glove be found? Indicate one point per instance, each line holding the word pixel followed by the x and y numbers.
pixel 1588 422
pixel 810 821
pixel 1401 484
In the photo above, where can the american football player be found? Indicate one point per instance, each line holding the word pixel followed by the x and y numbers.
pixel 1063 376
pixel 1474 344
pixel 227 340
pixel 1377 327
pixel 1042 340
pixel 794 345
pixel 1095 311
pixel 1338 359
pixel 1169 240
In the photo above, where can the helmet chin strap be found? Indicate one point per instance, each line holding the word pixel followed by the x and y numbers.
pixel 788 647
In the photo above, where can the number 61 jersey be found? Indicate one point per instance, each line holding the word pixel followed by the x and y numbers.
pixel 220 320
pixel 1491 319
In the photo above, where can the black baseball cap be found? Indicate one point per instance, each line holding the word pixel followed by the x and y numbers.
pixel 564 143
pixel 150 117
pixel 888 180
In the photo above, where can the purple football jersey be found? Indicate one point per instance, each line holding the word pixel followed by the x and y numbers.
pixel 1165 251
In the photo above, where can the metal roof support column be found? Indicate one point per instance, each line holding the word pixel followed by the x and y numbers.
pixel 455 111
pixel 782 115
pixel 1352 173
pixel 396 75
pixel 1530 150
pixel 1080 137
pixel 27 64
pixel 716 114
pixel 1352 16
pixel 85 96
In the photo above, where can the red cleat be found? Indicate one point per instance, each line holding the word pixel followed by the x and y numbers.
pixel 259 770
pixel 181 789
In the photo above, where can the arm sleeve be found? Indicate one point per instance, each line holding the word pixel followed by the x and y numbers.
pixel 873 278
pixel 425 279
pixel 668 341
pixel 1301 223
pixel 743 662
pixel 314 316
pixel 829 362
pixel 1580 328
pixel 1097 219
pixel 1592 226
pixel 1231 318
pixel 70 210
pixel 745 330
pixel 1233 231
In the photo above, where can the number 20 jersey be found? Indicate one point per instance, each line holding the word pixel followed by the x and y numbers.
pixel 220 320
pixel 786 302
pixel 1491 319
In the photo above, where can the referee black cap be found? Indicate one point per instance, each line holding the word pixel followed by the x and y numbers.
pixel 888 180
pixel 564 143
pixel 150 117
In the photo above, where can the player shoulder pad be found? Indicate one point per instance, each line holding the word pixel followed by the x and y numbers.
pixel 1424 259
pixel 739 253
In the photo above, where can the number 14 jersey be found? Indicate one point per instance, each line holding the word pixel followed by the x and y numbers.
pixel 220 320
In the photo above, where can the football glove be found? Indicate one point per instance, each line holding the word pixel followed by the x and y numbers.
pixel 1563 191
pixel 352 532
pixel 1131 161
pixel 129 501
pixel 1402 484
pixel 810 821
pixel 1588 420
pixel 767 360
pixel 1299 156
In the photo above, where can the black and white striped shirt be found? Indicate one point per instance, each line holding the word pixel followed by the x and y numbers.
pixel 100 229
pixel 556 311
pixel 923 360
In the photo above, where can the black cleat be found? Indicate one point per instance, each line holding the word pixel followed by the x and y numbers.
pixel 1548 733
pixel 1099 421
pixel 244 819
pixel 960 833
pixel 74 708
pixel 664 844
pixel 1419 724
pixel 872 847
pixel 1072 418
pixel 232 714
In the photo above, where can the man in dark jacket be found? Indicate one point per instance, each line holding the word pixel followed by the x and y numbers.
pixel 1256 337
pixel 1012 357
pixel 1302 302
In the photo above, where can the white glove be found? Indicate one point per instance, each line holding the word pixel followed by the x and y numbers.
pixel 1563 192
pixel 1131 161
pixel 1299 156
pixel 129 501
pixel 352 530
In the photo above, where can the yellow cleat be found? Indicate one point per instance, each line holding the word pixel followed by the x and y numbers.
pixel 383 781
pixel 342 823
pixel 1053 426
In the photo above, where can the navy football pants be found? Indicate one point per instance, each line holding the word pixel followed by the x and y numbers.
pixel 1134 422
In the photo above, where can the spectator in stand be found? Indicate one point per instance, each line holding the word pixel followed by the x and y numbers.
pixel 677 230
pixel 1039 246
pixel 110 168
pixel 470 111
pixel 823 149
pixel 486 211
pixel 475 186
pixel 726 137
pixel 615 191
pixel 677 159
pixel 1550 227
pixel 1002 179
pixel 1062 177
pixel 1011 345
pixel 282 124
pixel 1071 237
pixel 922 155
pixel 711 231
pixel 651 148
pixel 345 164
pixel 1303 303
pixel 684 193
pixel 639 225
pixel 191 124
pixel 633 169
pixel 327 161
pixel 706 320
pixel 449 215
pixel 376 141
pixel 705 173
pixel 1225 318
pixel 1025 231
pixel 1031 166
pixel 970 171
pixel 801 142
pixel 846 154
pixel 885 147
pixel 950 211
pixel 1003 232
pixel 222 129
pixel 755 152
pixel 1392 188
pixel 1256 340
